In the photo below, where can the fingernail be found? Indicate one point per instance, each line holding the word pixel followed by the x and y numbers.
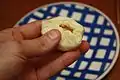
pixel 53 34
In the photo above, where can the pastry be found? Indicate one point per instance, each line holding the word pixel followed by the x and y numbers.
pixel 71 31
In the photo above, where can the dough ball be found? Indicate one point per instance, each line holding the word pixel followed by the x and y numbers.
pixel 71 31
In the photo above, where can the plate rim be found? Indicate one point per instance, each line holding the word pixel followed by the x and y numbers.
pixel 94 8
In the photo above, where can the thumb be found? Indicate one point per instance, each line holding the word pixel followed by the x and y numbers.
pixel 41 45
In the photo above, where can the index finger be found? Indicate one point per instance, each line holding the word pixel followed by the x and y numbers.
pixel 27 31
pixel 31 30
pixel 61 62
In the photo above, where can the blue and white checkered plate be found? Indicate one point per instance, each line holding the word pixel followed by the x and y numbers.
pixel 100 32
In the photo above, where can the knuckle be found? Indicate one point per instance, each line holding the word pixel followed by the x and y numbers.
pixel 42 44
pixel 67 60
pixel 17 46
pixel 15 50
pixel 51 70
pixel 63 63
pixel 16 34
pixel 12 46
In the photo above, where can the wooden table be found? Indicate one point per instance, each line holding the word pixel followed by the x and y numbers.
pixel 13 10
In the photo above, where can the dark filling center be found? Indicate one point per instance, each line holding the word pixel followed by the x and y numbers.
pixel 66 26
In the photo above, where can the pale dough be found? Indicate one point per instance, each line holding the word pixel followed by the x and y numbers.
pixel 71 31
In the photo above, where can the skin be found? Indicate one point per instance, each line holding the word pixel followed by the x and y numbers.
pixel 25 54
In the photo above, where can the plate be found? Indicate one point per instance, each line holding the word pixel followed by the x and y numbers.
pixel 100 32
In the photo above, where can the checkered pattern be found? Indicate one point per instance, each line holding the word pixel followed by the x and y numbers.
pixel 98 32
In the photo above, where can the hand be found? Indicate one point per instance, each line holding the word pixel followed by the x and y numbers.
pixel 26 55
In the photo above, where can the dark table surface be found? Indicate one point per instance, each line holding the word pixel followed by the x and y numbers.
pixel 13 10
